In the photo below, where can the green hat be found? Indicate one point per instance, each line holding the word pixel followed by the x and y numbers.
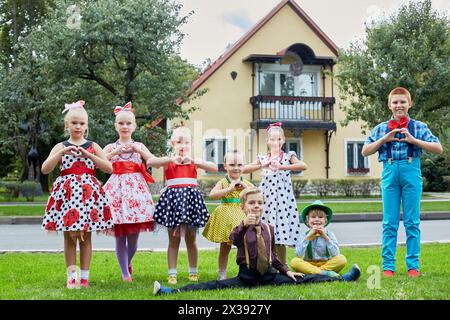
pixel 317 205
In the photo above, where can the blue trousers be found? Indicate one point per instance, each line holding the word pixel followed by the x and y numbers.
pixel 401 183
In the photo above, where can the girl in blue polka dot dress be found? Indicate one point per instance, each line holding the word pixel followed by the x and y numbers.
pixel 77 204
pixel 181 207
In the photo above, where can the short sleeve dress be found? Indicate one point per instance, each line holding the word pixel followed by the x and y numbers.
pixel 280 207
pixel 226 216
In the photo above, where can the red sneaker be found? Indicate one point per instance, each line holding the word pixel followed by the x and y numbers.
pixel 388 273
pixel 71 283
pixel 84 283
pixel 413 273
pixel 130 269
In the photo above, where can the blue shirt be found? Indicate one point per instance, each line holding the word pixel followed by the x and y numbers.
pixel 320 246
pixel 400 149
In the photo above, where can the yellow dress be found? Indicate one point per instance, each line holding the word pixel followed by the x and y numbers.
pixel 226 216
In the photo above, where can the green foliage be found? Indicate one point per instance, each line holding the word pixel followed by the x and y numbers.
pixel 121 51
pixel 298 186
pixel 409 49
pixel 435 168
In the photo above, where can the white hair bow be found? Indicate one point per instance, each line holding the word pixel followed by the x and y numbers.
pixel 78 104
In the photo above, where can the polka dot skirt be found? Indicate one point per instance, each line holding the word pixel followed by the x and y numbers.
pixel 280 208
pixel 181 205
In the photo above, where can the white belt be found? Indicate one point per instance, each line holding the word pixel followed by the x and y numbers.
pixel 173 182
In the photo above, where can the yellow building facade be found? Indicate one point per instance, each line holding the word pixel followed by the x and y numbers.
pixel 281 70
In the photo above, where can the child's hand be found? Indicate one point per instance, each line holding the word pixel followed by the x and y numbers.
pixel 408 137
pixel 274 165
pixel 322 233
pixel 124 149
pixel 177 160
pixel 312 234
pixel 292 275
pixel 187 160
pixel 238 185
pixel 250 219
pixel 84 153
pixel 71 150
pixel 390 136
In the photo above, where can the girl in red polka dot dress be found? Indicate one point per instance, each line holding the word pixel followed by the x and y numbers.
pixel 77 204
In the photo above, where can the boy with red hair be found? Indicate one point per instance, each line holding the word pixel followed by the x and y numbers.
pixel 399 143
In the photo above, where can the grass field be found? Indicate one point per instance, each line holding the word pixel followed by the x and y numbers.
pixel 42 276
pixel 38 210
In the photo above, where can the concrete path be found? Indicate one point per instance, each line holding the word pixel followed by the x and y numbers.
pixel 32 238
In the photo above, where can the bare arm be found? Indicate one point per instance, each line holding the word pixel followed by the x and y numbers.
pixel 252 167
pixel 206 165
pixel 158 162
pixel 53 158
pixel 296 165
pixel 145 153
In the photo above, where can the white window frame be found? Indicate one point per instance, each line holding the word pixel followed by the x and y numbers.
pixel 355 142
pixel 278 69
pixel 216 148
pixel 300 156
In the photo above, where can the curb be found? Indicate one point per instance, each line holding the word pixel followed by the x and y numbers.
pixel 344 217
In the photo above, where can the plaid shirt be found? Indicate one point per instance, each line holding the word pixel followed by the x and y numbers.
pixel 400 149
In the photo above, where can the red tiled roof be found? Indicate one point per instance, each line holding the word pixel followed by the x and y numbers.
pixel 221 60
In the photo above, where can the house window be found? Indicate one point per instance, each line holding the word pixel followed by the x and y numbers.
pixel 296 146
pixel 356 163
pixel 215 149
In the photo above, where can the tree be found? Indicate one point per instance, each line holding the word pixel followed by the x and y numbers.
pixel 105 52
pixel 410 49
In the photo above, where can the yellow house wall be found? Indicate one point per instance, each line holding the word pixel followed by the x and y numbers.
pixel 225 109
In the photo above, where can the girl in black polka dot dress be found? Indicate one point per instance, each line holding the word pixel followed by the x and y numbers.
pixel 77 204
pixel 280 208
pixel 181 207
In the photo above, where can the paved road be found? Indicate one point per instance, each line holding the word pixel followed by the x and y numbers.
pixel 32 238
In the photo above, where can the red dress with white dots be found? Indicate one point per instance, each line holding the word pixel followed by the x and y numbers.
pixel 77 200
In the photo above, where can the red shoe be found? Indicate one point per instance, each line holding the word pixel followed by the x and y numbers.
pixel 388 273
pixel 130 269
pixel 127 279
pixel 84 283
pixel 413 273
pixel 71 283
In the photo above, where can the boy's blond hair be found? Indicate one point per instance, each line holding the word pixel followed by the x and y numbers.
pixel 248 191
pixel 234 152
pixel 318 212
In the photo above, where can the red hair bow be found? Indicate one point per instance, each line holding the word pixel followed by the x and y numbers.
pixel 126 107
pixel 276 124
pixel 394 124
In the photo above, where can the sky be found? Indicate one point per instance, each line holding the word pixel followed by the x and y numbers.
pixel 216 24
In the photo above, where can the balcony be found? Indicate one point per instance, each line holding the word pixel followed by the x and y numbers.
pixel 294 112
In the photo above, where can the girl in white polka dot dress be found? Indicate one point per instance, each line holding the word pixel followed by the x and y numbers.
pixel 77 204
pixel 181 207
pixel 280 207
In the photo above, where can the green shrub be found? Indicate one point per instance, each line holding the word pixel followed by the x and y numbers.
pixel 298 186
pixel 346 187
pixel 30 189
pixel 323 187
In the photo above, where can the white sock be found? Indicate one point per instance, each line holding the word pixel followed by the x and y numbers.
pixel 192 270
pixel 71 274
pixel 173 272
pixel 85 274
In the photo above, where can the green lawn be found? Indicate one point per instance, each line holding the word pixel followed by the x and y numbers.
pixel 42 276
pixel 38 210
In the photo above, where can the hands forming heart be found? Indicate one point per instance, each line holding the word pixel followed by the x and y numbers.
pixel 73 151
pixel 182 160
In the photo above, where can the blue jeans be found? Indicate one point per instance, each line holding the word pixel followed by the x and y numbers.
pixel 401 183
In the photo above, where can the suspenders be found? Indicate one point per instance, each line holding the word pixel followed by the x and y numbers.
pixel 410 146
pixel 247 257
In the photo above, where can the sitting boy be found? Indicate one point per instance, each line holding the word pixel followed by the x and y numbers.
pixel 256 257
pixel 318 249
